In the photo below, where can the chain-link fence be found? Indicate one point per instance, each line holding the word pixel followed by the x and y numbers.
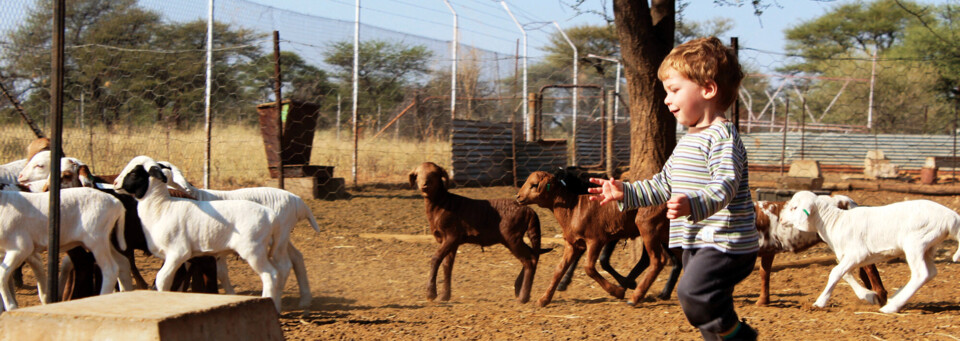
pixel 136 75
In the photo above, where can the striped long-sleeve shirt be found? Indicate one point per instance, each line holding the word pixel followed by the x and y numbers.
pixel 710 167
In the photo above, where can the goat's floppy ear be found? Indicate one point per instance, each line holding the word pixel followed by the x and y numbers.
pixel 413 178
pixel 446 177
pixel 86 178
pixel 805 207
pixel 157 172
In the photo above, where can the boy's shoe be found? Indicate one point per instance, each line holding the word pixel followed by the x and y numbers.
pixel 745 332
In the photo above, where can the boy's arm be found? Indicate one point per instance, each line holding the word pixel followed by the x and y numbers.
pixel 647 192
pixel 726 167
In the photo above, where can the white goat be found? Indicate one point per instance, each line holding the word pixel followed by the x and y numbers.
pixel 867 235
pixel 87 217
pixel 9 171
pixel 289 208
pixel 38 169
pixel 179 229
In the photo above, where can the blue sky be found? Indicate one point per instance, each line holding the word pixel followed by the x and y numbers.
pixel 485 24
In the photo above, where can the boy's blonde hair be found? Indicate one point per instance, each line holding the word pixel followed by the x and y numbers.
pixel 704 60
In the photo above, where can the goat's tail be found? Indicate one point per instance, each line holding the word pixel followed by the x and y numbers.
pixel 303 211
pixel 121 226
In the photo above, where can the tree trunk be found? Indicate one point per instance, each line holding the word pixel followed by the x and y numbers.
pixel 646 37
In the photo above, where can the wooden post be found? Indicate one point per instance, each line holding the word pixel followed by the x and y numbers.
pixel 611 97
pixel 532 113
pixel 277 84
pixel 56 150
pixel 783 148
pixel 735 43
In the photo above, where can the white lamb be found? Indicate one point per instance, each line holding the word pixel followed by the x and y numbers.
pixel 87 217
pixel 290 209
pixel 179 229
pixel 867 235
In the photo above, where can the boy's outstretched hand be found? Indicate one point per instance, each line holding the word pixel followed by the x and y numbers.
pixel 609 190
pixel 678 206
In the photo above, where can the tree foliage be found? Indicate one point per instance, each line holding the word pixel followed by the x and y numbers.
pixel 897 45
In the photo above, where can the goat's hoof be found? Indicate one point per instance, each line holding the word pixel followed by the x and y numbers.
pixel 631 303
pixel 619 293
pixel 762 303
pixel 871 298
pixel 887 309
pixel 542 303
pixel 445 297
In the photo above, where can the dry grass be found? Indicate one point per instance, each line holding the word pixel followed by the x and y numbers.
pixel 238 158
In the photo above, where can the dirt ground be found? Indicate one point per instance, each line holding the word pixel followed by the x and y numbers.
pixel 374 288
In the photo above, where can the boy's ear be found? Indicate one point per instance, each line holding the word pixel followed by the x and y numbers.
pixel 709 90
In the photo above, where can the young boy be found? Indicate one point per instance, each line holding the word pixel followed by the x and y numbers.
pixel 704 184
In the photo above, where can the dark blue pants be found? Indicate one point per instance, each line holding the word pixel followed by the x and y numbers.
pixel 705 291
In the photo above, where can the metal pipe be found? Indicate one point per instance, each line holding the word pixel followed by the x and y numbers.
pixel 616 85
pixel 207 119
pixel 56 150
pixel 356 77
pixel 783 148
pixel 278 84
pixel 453 72
pixel 527 126
pixel 576 60
pixel 735 43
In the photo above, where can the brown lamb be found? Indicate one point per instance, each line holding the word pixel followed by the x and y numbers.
pixel 456 220
pixel 587 227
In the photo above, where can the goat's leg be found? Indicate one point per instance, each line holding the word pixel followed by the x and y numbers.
pixel 593 252
pixel 638 268
pixel 139 282
pixel 570 253
pixel 654 249
pixel 171 263
pixel 223 275
pixel 766 264
pixel 180 280
pixel 280 258
pixel 11 261
pixel 843 267
pixel 446 245
pixel 568 275
pixel 862 293
pixel 124 270
pixel 674 272
pixel 260 263
pixel 528 258
pixel 67 277
pixel 605 253
pixel 448 273
pixel 36 264
pixel 300 270
pixel 922 269
pixel 109 269
pixel 871 279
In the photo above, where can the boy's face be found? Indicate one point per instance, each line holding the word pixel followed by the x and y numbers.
pixel 688 101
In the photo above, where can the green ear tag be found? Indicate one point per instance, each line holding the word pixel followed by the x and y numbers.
pixel 805 211
pixel 548 187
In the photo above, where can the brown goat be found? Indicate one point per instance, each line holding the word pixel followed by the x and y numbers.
pixel 456 220
pixel 775 238
pixel 587 227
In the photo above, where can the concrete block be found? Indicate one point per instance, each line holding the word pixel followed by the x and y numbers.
pixel 146 315
pixel 805 169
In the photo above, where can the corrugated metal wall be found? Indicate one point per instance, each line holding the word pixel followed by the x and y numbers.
pixel 907 151
pixel 590 146
pixel 483 154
